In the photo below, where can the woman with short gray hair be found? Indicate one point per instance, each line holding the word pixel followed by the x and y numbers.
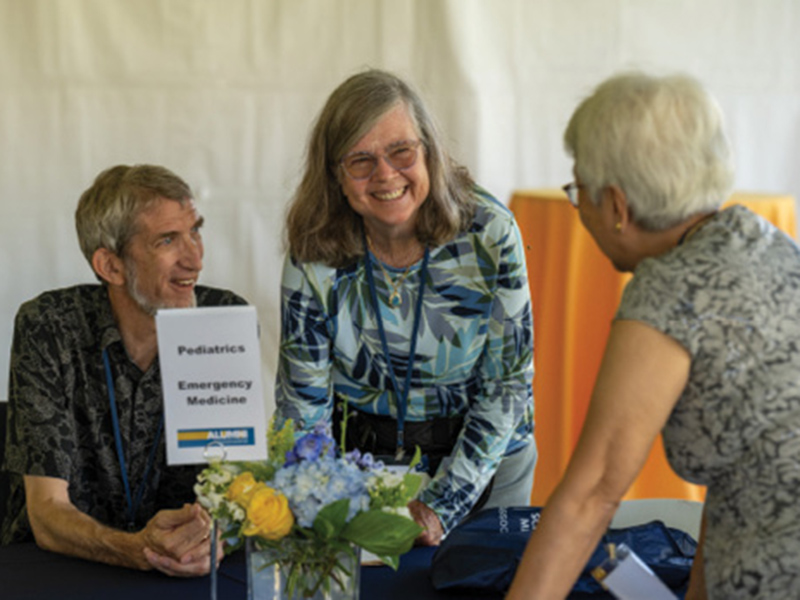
pixel 703 347
pixel 673 164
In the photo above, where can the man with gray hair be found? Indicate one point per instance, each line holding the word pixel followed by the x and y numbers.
pixel 85 449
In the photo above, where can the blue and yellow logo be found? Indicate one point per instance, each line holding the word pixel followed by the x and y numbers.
pixel 230 436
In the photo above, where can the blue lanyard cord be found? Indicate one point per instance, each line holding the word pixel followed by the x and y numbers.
pixel 400 394
pixel 132 506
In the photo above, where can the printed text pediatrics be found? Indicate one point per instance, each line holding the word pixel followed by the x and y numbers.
pixel 217 349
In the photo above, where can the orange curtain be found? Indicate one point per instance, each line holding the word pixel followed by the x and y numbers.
pixel 575 293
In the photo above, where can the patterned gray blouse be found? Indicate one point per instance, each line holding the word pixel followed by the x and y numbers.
pixel 59 416
pixel 731 296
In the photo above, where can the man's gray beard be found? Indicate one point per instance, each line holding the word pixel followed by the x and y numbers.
pixel 132 287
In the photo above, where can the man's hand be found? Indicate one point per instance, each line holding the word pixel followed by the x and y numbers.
pixel 173 541
pixel 425 517
pixel 176 542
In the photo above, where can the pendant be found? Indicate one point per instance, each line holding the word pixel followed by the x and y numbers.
pixel 394 299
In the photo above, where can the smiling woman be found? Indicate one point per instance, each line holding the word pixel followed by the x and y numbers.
pixel 394 188
pixel 405 303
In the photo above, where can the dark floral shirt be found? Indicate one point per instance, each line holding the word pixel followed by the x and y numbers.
pixel 59 419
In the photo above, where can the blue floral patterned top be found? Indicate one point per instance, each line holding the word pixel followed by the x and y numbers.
pixel 474 355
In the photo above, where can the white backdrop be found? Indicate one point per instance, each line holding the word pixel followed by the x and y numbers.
pixel 223 92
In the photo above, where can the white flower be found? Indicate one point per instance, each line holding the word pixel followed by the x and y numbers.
pixel 390 479
pixel 237 512
pixel 400 511
pixel 220 477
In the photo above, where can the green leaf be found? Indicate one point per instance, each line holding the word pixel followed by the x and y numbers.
pixel 279 442
pixel 412 483
pixel 331 519
pixel 416 460
pixel 392 560
pixel 262 471
pixel 382 533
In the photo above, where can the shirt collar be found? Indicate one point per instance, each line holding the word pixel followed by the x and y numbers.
pixel 106 325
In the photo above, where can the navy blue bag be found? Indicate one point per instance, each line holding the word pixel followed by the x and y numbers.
pixel 483 551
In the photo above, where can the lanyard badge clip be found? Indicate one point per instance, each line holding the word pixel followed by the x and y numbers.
pixel 401 452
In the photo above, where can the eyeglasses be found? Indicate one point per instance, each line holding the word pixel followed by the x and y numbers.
pixel 400 156
pixel 571 190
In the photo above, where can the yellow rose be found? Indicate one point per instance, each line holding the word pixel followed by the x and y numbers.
pixel 242 488
pixel 268 515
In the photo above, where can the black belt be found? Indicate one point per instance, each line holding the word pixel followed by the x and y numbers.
pixel 377 435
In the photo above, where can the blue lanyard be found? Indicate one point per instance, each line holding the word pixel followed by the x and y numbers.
pixel 401 395
pixel 133 506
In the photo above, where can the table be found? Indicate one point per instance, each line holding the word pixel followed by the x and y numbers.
pixel 575 293
pixel 28 573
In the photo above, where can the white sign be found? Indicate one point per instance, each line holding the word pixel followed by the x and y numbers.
pixel 211 376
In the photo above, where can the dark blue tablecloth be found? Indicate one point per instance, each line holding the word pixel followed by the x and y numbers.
pixel 28 573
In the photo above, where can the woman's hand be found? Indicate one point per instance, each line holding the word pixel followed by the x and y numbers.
pixel 641 378
pixel 425 517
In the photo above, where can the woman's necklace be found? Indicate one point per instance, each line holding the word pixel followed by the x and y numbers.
pixel 692 229
pixel 401 394
pixel 395 299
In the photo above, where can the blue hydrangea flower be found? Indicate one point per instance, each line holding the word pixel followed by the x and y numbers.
pixel 311 484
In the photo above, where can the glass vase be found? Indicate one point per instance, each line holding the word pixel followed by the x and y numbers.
pixel 268 574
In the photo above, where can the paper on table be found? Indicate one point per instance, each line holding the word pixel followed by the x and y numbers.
pixel 632 579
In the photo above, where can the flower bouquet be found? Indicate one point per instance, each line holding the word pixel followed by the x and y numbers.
pixel 311 510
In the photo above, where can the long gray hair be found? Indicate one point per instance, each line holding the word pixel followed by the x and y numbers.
pixel 321 226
